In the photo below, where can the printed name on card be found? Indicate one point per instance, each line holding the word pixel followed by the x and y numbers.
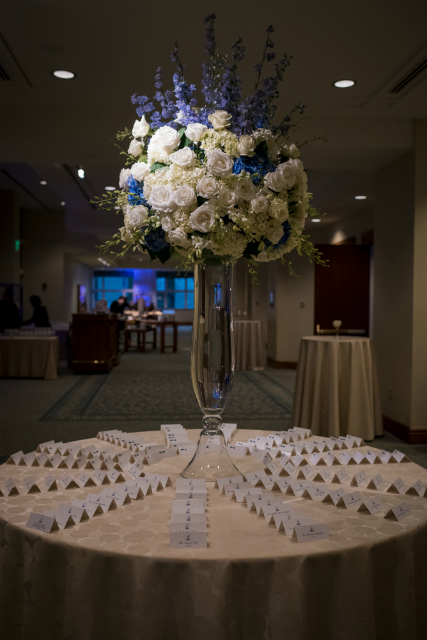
pixel 350 500
pixel 330 459
pixel 290 469
pixel 311 532
pixel 63 520
pixel 377 483
pixel 399 512
pixel 115 476
pixel 174 527
pixel 386 457
pixel 68 482
pixel 334 496
pixel 85 480
pixel 371 505
pixel 322 476
pixel 399 456
pixel 315 493
pixel 345 458
pixel 418 489
pixel 40 522
pixel 359 479
pixel 398 486
pixel 316 460
pixel 78 514
pixel 50 483
pixel 254 476
pixel 30 485
pixel 185 540
pixel 372 457
pixel 15 458
pixel 341 476
pixel 43 460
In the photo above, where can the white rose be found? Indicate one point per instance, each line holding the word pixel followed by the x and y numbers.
pixel 227 198
pixel 297 166
pixel 178 236
pixel 275 235
pixel 288 174
pixel 220 119
pixel 246 146
pixel 162 199
pixel 203 217
pixel 219 163
pixel 167 223
pixel 140 128
pixel 140 171
pixel 126 235
pixel 185 195
pixel 289 150
pixel 167 138
pixel 135 218
pixel 183 157
pixel 279 210
pixel 195 131
pixel 259 204
pixel 207 187
pixel 246 190
pixel 134 148
pixel 123 178
pixel 300 186
pixel 275 181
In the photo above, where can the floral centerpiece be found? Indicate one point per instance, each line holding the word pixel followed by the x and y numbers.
pixel 216 182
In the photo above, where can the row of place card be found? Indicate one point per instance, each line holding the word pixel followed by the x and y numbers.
pixel 188 524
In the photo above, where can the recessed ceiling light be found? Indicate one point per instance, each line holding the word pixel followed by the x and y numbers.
pixel 344 84
pixel 360 197
pixel 64 75
pixel 110 188
pixel 81 173
pixel 43 182
pixel 315 219
pixel 62 204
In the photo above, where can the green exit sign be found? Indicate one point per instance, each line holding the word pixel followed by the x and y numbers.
pixel 17 245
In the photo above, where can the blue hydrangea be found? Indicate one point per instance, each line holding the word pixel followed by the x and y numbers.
pixel 256 164
pixel 156 241
pixel 136 193
pixel 286 233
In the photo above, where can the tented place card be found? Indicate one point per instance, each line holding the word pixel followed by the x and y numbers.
pixel 135 471
pixel 359 479
pixel 298 488
pixel 377 483
pixel 228 489
pixel 322 476
pixel 315 493
pixel 101 477
pixel 417 489
pixel 237 449
pixel 187 450
pixel 192 540
pixel 161 479
pixel 9 488
pixel 30 460
pixel 341 476
pixel 50 483
pixel 399 512
pixel 183 518
pixel 398 486
pixel 220 482
pixel 30 485
pixel 358 458
pixel 345 458
pixel 85 480
pixel 316 460
pixel 311 532
pixel 92 508
pixel 289 521
pixel 386 457
pixel 15 458
pixel 254 476
pixel 78 514
pixel 40 522
pixel 334 496
pixel 240 495
pixel 68 482
pixel 273 467
pixel 350 500
pixel 63 520
pixel 310 474
pixel 290 469
pixel 175 527
pixel 372 457
pixel 42 460
pixel 41 447
pixel 371 505
pixel 115 476
pixel 399 456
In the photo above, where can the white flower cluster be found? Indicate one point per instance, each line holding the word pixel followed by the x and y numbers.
pixel 203 197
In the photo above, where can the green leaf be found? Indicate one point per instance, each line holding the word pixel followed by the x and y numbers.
pixel 181 132
pixel 201 200
pixel 157 165
pixel 262 149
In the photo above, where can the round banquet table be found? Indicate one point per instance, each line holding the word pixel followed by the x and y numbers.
pixel 249 344
pixel 115 576
pixel 336 389
pixel 29 357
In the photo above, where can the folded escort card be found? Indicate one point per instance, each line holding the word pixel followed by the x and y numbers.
pixel 311 532
pixel 418 489
pixel 240 495
pixel 41 447
pixel 377 483
pixel 372 457
pixel 78 514
pixel 315 493
pixel 316 460
pixel 91 508
pixel 40 522
pixel 228 488
pixel 359 479
pixel 175 527
pixel 185 540
pixel 15 458
pixel 350 500
pixel 399 512
pixel 398 486
pixel 334 496
pixel 50 483
pixel 341 476
pixel 399 456
pixel 68 482
pixel 63 520
pixel 371 506
pixel 30 485
pixel 321 476
pixel 254 476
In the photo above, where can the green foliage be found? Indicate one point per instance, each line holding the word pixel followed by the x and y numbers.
pixel 107 201
pixel 262 149
pixel 158 165
pixel 201 200
pixel 126 133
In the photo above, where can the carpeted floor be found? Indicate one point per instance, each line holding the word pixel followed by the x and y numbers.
pixel 140 394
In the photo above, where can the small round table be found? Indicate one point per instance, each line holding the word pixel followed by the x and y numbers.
pixel 336 388
pixel 249 345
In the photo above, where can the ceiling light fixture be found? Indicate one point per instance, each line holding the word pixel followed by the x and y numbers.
pixel 360 197
pixel 62 204
pixel 110 188
pixel 64 75
pixel 81 173
pixel 43 182
pixel 344 84
pixel 315 219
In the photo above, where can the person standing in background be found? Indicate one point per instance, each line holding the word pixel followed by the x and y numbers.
pixel 141 305
pixel 40 317
pixel 9 313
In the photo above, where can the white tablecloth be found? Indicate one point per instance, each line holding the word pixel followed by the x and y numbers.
pixel 249 345
pixel 29 357
pixel 336 387
pixel 115 577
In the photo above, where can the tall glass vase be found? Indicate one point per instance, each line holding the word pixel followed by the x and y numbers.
pixel 212 367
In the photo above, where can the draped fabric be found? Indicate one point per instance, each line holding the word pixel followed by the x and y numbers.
pixel 29 357
pixel 115 576
pixel 336 389
pixel 249 345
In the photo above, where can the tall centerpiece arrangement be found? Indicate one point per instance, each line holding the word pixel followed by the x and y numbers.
pixel 211 185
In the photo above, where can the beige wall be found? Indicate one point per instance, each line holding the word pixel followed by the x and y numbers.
pixel 349 227
pixel 43 250
pixel 9 233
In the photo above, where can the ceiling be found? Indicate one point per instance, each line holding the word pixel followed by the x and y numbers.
pixel 50 127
